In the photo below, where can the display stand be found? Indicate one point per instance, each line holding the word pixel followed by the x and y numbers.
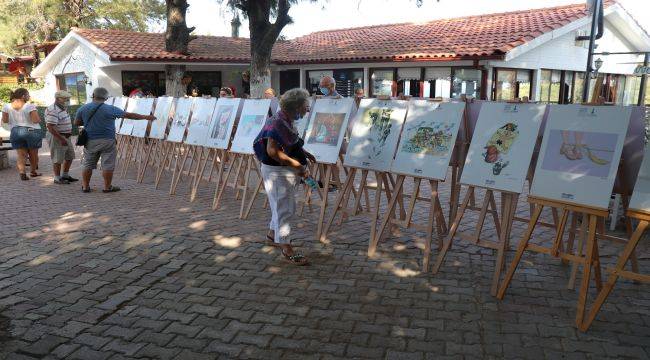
pixel 384 184
pixel 169 151
pixel 591 259
pixel 502 227
pixel 405 220
pixel 153 153
pixel 134 147
pixel 619 270
pixel 236 162
pixel 462 146
pixel 205 154
pixel 191 152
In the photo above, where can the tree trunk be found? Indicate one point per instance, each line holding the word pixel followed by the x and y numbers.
pixel 177 39
pixel 174 80
pixel 260 78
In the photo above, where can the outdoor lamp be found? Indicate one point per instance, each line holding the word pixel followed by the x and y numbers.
pixel 598 63
pixel 86 80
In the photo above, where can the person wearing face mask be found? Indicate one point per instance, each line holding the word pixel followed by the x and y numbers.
pixel 279 148
pixel 327 87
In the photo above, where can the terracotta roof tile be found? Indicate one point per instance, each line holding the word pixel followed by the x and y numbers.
pixel 467 37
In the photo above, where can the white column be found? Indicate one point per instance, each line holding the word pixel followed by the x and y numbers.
pixel 366 80
pixel 303 81
pixel 537 80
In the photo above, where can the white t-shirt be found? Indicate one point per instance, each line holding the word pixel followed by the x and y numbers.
pixel 20 117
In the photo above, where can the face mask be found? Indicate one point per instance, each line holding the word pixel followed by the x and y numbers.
pixel 325 91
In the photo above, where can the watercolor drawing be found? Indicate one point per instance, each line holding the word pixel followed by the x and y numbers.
pixel 428 138
pixel 220 123
pixel 580 152
pixel 498 147
pixel 250 124
pixel 378 120
pixel 326 129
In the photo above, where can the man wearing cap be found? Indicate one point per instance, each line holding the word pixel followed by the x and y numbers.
pixel 98 120
pixel 59 128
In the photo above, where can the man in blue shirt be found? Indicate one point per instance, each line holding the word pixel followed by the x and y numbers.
pixel 98 119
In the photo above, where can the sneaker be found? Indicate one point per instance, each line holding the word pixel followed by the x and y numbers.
pixel 69 178
pixel 61 181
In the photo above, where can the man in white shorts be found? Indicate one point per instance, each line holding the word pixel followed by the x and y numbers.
pixel 59 126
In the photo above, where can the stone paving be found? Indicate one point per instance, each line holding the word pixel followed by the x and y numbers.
pixel 142 274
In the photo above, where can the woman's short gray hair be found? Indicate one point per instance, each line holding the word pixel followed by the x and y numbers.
pixel 293 99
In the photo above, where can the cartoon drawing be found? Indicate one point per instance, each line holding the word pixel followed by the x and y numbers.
pixel 498 145
pixel 220 124
pixel 429 139
pixel 326 129
pixel 380 126
pixel 580 152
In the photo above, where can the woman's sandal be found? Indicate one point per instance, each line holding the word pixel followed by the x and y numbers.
pixel 23 177
pixel 270 241
pixel 112 189
pixel 35 174
pixel 296 259
pixel 86 190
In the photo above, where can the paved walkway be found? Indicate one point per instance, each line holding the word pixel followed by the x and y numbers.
pixel 142 274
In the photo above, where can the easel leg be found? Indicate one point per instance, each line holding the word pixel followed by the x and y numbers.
pixel 506 219
pixel 372 248
pixel 256 191
pixel 579 249
pixel 247 175
pixel 452 230
pixel 323 201
pixel 349 183
pixel 523 243
pixel 613 277
pixel 586 275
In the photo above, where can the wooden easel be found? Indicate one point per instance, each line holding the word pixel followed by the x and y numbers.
pixel 462 147
pixel 171 152
pixel 435 216
pixel 191 152
pixel 502 227
pixel 236 162
pixel 134 149
pixel 153 153
pixel 591 259
pixel 384 184
pixel 204 156
pixel 619 270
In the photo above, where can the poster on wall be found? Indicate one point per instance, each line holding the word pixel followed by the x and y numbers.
pixel 162 111
pixel 119 102
pixel 223 120
pixel 197 131
pixel 326 130
pixel 641 195
pixel 580 152
pixel 376 131
pixel 144 107
pixel 252 119
pixel 180 119
pixel 502 146
pixel 428 139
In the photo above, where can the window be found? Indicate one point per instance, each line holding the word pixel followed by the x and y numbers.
pixel 510 84
pixel 381 82
pixel 75 85
pixel 150 82
pixel 347 80
pixel 408 81
pixel 437 82
pixel 466 82
pixel 204 83
pixel 550 86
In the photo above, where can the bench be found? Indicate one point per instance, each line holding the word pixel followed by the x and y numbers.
pixel 4 149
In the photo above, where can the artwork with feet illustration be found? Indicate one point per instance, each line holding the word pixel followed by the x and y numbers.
pixel 580 153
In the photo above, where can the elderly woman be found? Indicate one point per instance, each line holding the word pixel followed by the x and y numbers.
pixel 284 161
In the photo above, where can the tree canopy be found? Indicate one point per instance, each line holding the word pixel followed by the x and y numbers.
pixel 35 21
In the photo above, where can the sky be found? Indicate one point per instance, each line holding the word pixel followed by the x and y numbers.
pixel 210 17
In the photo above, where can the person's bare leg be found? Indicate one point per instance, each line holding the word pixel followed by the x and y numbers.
pixel 56 168
pixel 33 160
pixel 85 178
pixel 66 166
pixel 21 159
pixel 108 179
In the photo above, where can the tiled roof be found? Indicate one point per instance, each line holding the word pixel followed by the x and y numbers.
pixel 135 46
pixel 473 37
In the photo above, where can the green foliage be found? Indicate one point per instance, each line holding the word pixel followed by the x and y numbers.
pixel 34 21
pixel 6 89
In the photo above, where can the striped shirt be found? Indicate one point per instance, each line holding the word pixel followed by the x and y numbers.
pixel 60 118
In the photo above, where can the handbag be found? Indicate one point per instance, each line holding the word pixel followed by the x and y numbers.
pixel 82 138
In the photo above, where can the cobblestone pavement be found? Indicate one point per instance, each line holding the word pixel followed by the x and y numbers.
pixel 142 274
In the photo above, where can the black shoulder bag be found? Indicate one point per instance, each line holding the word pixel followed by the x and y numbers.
pixel 82 138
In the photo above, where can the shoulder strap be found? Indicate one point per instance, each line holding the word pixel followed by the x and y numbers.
pixel 94 112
